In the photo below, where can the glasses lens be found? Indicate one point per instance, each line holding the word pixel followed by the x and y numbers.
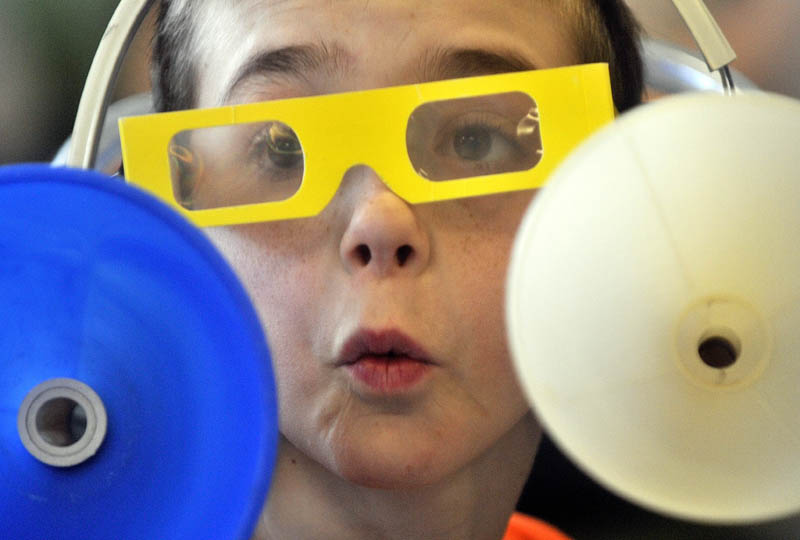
pixel 235 165
pixel 477 136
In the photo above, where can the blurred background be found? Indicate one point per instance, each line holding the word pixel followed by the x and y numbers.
pixel 46 48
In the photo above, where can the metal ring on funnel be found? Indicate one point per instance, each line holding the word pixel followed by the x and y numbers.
pixel 62 422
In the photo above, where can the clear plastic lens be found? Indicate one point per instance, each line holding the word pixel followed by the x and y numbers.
pixel 468 137
pixel 235 165
pixel 242 164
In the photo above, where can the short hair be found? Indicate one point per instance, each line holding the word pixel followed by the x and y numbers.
pixel 603 31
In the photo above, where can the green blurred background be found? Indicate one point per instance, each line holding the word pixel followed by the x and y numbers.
pixel 46 48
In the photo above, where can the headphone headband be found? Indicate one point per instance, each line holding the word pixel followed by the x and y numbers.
pixel 129 15
pixel 107 61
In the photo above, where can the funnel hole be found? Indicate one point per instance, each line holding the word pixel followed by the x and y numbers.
pixel 718 352
pixel 61 421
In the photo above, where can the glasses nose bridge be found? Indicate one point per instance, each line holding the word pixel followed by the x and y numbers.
pixel 373 128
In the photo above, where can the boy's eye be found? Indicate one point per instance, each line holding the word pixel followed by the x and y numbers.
pixel 478 144
pixel 279 144
pixel 472 143
pixel 474 136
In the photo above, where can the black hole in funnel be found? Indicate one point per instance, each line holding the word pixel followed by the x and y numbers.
pixel 717 352
pixel 61 422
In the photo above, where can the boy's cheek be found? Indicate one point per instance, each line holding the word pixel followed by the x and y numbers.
pixel 497 215
pixel 270 257
pixel 284 272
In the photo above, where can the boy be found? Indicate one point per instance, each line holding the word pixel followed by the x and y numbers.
pixel 400 415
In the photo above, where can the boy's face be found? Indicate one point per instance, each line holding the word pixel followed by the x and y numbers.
pixel 371 273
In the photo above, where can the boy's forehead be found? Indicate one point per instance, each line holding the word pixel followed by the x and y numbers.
pixel 291 47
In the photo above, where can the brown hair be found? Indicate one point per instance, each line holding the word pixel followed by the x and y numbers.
pixel 603 30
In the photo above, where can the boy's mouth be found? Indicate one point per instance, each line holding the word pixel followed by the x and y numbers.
pixel 385 362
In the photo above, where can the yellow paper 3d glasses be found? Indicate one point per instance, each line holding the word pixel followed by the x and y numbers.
pixel 427 142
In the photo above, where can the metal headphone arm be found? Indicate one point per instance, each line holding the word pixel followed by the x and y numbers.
pixel 96 95
pixel 709 38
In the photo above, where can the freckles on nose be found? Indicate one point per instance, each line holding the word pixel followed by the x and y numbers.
pixel 383 234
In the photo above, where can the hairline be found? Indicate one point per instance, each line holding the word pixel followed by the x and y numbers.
pixel 585 29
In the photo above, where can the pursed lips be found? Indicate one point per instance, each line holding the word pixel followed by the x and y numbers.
pixel 389 344
pixel 384 363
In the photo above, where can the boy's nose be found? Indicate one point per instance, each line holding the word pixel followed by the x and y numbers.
pixel 383 235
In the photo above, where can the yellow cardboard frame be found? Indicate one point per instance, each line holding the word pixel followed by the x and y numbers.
pixel 370 129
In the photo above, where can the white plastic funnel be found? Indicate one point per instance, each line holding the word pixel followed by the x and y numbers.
pixel 675 228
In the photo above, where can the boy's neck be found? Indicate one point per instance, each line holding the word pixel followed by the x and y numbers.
pixel 308 501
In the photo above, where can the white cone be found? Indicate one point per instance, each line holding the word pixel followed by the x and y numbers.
pixel 679 223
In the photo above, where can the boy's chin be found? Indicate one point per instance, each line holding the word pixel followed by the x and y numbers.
pixel 385 473
pixel 399 463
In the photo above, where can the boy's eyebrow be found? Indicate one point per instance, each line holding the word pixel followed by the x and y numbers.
pixel 451 63
pixel 295 60
pixel 435 64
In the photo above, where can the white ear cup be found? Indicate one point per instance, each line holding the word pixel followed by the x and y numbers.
pixel 676 227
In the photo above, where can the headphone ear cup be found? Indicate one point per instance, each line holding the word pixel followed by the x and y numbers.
pixel 672 69
pixel 109 150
